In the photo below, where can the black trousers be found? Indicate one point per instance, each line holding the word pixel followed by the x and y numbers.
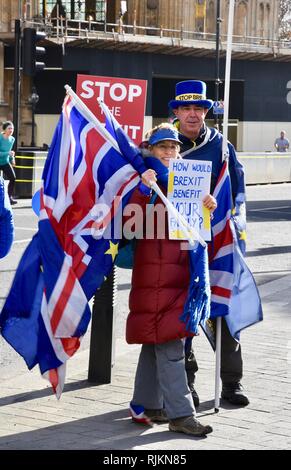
pixel 10 175
pixel 231 358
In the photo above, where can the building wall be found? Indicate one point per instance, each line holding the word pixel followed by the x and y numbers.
pixel 8 11
pixel 260 136
pixel 259 108
pixel 253 18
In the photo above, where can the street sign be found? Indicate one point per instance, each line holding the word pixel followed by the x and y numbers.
pixel 218 107
pixel 124 97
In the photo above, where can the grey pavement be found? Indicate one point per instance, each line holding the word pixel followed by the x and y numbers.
pixel 96 416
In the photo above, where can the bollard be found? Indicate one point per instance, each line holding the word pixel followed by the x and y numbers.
pixel 102 344
pixel 24 174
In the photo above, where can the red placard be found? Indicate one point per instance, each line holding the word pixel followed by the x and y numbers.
pixel 124 97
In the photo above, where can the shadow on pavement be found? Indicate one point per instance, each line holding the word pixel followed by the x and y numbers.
pixel 209 405
pixel 258 212
pixel 270 250
pixel 45 392
pixel 113 430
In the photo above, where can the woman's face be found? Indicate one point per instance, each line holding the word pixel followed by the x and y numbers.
pixel 165 150
pixel 9 130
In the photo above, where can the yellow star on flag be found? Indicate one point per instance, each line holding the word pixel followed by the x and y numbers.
pixel 243 235
pixel 113 250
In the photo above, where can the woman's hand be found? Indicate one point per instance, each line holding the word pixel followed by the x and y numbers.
pixel 210 202
pixel 148 176
pixel 12 157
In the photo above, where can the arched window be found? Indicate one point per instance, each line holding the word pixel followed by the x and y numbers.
pixel 240 20
pixel 211 17
pixel 268 24
pixel 261 20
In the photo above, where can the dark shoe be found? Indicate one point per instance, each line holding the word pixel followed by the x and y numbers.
pixel 189 425
pixel 233 393
pixel 12 201
pixel 195 396
pixel 157 416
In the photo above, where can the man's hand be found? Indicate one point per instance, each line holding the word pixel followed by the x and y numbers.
pixel 210 202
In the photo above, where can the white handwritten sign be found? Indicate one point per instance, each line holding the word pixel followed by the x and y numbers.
pixel 189 182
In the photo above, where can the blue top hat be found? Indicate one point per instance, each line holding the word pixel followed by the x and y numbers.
pixel 191 92
pixel 164 134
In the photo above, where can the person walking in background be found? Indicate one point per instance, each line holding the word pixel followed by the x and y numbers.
pixel 282 144
pixel 161 278
pixel 7 157
pixel 200 142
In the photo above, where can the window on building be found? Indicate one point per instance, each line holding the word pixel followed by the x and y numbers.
pixel 74 9
pixel 53 8
pixel 211 17
pixel 100 11
pixel 240 21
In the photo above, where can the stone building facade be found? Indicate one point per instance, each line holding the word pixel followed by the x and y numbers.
pixel 254 18
pixel 256 21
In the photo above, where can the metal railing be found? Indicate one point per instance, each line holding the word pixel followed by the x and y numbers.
pixel 64 29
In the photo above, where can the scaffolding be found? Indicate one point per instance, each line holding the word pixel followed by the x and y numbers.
pixel 77 32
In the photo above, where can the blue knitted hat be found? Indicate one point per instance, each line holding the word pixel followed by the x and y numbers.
pixel 191 92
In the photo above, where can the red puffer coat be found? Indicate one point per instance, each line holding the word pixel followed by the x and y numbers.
pixel 160 281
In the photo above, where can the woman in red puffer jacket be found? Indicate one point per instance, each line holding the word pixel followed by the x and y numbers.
pixel 160 283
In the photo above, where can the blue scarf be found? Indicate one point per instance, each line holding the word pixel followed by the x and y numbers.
pixel 197 305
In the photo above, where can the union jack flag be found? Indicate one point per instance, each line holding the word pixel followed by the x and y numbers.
pixel 87 181
pixel 220 250
pixel 234 293
pixel 137 413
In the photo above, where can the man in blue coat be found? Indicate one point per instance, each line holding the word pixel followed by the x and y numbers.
pixel 6 221
pixel 199 142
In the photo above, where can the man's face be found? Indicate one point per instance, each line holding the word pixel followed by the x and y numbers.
pixel 191 119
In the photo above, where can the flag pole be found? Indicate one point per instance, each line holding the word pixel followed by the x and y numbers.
pixel 225 155
pixel 227 80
